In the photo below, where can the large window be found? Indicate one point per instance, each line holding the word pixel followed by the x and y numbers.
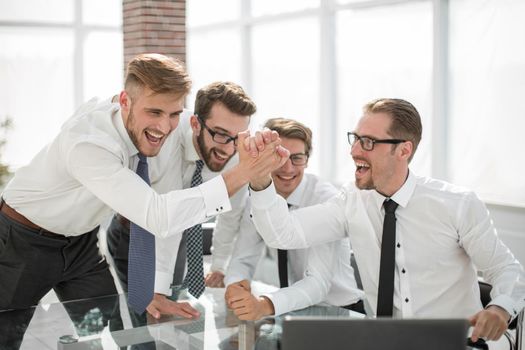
pixel 55 55
pixel 319 61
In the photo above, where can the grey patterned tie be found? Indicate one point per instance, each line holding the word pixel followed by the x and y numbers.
pixel 195 276
pixel 141 257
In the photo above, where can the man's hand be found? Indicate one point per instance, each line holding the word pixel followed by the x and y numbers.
pixel 214 279
pixel 234 289
pixel 249 308
pixel 160 305
pixel 258 157
pixel 489 323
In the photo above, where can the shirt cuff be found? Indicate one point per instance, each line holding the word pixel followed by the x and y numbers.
pixel 219 263
pixel 506 303
pixel 263 199
pixel 163 283
pixel 230 279
pixel 215 193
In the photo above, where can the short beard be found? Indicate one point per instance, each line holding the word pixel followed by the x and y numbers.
pixel 129 128
pixel 206 154
pixel 369 185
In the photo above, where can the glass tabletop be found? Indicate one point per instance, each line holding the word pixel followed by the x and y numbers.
pixel 108 323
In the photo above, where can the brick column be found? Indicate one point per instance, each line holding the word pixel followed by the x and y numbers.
pixel 157 26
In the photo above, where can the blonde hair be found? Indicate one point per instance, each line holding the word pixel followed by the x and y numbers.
pixel 159 73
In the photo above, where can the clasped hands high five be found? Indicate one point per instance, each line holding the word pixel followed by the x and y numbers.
pixel 259 155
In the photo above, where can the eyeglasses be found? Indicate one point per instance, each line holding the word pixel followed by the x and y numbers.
pixel 299 159
pixel 367 143
pixel 217 136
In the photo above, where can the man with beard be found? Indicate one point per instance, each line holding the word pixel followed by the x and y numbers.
pixel 306 276
pixel 418 242
pixel 222 110
pixel 51 210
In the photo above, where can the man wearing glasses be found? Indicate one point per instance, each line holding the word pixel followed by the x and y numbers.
pixel 306 276
pixel 209 136
pixel 418 242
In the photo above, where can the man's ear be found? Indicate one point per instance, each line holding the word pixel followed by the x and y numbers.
pixel 124 100
pixel 195 125
pixel 407 148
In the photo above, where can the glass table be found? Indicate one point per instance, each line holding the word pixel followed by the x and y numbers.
pixel 107 323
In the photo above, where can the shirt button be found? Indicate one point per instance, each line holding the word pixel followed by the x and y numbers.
pixel 221 208
pixel 216 209
pixel 403 270
pixel 251 216
pixel 406 300
pixel 399 245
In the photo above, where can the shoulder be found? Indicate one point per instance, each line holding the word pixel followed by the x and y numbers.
pixel 442 190
pixel 93 124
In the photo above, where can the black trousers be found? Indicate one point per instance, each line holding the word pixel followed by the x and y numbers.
pixel 117 236
pixel 32 264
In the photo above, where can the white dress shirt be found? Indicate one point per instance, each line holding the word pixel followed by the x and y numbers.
pixel 443 234
pixel 167 248
pixel 317 274
pixel 87 173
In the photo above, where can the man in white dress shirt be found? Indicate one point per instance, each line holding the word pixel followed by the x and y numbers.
pixel 444 234
pixel 222 110
pixel 52 208
pixel 318 274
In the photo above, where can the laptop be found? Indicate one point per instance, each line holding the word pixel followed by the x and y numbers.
pixel 314 333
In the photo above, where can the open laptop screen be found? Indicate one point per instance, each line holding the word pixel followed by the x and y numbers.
pixel 306 332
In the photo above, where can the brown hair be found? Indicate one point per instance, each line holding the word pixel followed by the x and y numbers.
pixel 159 73
pixel 231 95
pixel 406 122
pixel 292 129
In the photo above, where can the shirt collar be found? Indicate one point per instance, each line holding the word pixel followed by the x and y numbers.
pixel 295 197
pixel 402 196
pixel 190 153
pixel 121 129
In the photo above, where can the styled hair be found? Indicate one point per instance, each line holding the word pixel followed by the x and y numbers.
pixel 292 129
pixel 159 73
pixel 406 122
pixel 231 95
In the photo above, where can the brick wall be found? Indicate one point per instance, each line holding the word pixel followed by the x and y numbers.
pixel 154 26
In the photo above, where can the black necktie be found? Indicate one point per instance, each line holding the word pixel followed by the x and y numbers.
pixel 141 257
pixel 282 262
pixel 385 293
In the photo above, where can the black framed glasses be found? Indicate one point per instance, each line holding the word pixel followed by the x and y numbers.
pixel 217 136
pixel 299 158
pixel 367 143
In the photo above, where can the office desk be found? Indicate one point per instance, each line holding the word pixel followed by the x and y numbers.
pixel 107 323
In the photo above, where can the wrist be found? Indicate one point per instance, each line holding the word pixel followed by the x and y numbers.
pixel 267 306
pixel 500 311
pixel 261 183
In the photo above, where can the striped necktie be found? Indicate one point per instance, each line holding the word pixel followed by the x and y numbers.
pixel 141 265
